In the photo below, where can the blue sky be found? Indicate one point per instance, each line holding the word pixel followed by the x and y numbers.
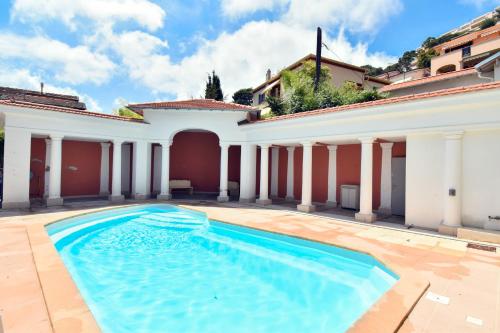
pixel 111 52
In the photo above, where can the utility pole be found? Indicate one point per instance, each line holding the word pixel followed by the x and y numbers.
pixel 318 59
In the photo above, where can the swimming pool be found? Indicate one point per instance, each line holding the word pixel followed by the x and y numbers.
pixel 160 268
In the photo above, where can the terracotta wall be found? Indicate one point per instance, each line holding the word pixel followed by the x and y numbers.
pixel 80 169
pixel 348 170
pixel 196 156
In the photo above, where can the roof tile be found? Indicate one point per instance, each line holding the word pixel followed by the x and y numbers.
pixel 198 104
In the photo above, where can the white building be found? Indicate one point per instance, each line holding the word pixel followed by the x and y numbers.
pixel 432 157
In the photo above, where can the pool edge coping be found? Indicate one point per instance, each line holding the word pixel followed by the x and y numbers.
pixel 68 311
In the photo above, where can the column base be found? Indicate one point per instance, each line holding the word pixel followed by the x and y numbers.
pixel 289 199
pixel 138 196
pixel 384 211
pixel 222 198
pixel 367 218
pixel 246 200
pixel 116 198
pixel 164 197
pixel 448 230
pixel 15 205
pixel 331 204
pixel 263 201
pixel 51 202
pixel 306 208
pixel 103 194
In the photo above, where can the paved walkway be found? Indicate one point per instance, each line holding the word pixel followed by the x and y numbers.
pixel 465 281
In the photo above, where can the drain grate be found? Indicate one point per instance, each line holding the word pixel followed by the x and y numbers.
pixel 482 247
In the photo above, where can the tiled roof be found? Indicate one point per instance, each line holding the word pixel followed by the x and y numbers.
pixel 467 38
pixel 393 100
pixel 425 80
pixel 67 110
pixel 197 104
pixel 37 97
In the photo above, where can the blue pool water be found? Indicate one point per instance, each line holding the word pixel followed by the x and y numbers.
pixel 159 268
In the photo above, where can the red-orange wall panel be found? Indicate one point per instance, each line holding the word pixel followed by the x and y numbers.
pixel 37 168
pixel 81 168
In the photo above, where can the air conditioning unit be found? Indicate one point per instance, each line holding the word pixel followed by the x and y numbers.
pixel 349 196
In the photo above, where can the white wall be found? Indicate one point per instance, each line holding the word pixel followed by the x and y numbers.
pixel 425 180
pixel 16 170
pixel 126 168
pixel 481 177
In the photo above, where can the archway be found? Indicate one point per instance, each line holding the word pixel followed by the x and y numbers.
pixel 446 69
pixel 195 156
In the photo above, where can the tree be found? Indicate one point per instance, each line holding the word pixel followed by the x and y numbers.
pixel 276 104
pixel 373 71
pixel 489 22
pixel 424 57
pixel 243 96
pixel 406 60
pixel 126 112
pixel 213 89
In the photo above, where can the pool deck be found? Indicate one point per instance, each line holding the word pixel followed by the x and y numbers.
pixel 38 295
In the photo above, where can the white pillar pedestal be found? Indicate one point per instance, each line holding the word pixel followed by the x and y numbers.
pixel 453 184
pixel 275 158
pixel 248 170
pixel 165 171
pixel 385 207
pixel 116 180
pixel 104 188
pixel 332 176
pixel 264 176
pixel 306 204
pixel 224 153
pixel 365 213
pixel 289 174
pixel 54 198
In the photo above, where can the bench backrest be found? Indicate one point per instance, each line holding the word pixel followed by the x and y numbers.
pixel 180 183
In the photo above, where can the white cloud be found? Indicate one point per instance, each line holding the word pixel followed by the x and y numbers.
pixel 238 8
pixel 240 58
pixel 24 79
pixel 356 15
pixel 143 12
pixel 74 65
pixel 481 3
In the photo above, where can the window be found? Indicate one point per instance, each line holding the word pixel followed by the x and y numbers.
pixel 262 98
pixel 466 51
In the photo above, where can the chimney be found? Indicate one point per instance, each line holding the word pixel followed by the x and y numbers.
pixel 268 75
pixel 41 88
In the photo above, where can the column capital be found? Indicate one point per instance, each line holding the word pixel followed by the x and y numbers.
pixel 454 135
pixel 165 143
pixel 290 149
pixel 48 141
pixel 387 145
pixel 332 147
pixel 105 144
pixel 118 141
pixel 56 137
pixel 224 145
pixel 307 144
pixel 264 145
pixel 367 139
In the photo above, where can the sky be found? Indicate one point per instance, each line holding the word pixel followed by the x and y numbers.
pixel 114 52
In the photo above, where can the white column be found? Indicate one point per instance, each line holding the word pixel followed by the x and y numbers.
pixel 104 188
pixel 275 156
pixel 366 213
pixel 306 205
pixel 248 172
pixel 453 181
pixel 224 152
pixel 264 175
pixel 332 176
pixel 116 185
pixel 386 179
pixel 140 170
pixel 16 168
pixel 54 198
pixel 165 171
pixel 47 168
pixel 289 174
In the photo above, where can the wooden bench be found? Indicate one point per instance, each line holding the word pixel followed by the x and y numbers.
pixel 181 184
